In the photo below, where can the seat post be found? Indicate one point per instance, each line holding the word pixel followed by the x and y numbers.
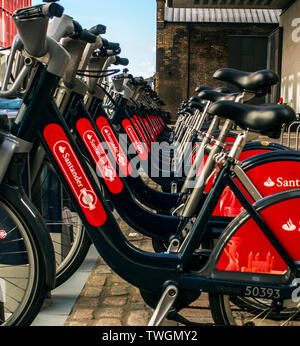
pixel 194 199
pixel 206 140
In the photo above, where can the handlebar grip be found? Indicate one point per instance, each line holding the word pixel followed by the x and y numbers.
pixel 88 37
pixel 110 45
pixel 121 61
pixel 98 30
pixel 113 46
pixel 52 10
pixel 81 34
pixel 111 52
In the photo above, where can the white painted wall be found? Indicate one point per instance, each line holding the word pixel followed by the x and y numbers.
pixel 290 83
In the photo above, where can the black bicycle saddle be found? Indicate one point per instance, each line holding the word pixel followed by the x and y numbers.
pixel 266 119
pixel 198 105
pixel 212 95
pixel 259 81
pixel 219 89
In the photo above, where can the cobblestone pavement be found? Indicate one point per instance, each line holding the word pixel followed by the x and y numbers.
pixel 107 300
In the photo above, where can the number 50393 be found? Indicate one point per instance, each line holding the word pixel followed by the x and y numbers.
pixel 262 292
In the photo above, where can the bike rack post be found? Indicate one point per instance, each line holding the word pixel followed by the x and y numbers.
pixel 282 134
pixel 297 137
pixel 289 135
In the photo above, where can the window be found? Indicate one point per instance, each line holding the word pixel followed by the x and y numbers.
pixel 248 53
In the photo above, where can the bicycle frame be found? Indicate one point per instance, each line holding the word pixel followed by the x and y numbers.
pixel 163 227
pixel 40 117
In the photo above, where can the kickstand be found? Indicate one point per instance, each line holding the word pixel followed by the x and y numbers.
pixel 2 315
pixel 164 305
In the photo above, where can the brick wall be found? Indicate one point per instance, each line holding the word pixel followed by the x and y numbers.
pixel 194 50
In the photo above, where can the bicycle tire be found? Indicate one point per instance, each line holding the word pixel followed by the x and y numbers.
pixel 19 237
pixel 229 311
pixel 239 310
pixel 72 259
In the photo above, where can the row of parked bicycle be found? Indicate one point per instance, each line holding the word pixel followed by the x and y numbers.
pixel 224 220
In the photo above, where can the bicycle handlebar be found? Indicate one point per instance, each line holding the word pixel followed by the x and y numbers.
pixel 98 30
pixel 110 45
pixel 81 34
pixel 33 22
pixel 88 37
pixel 52 10
pixel 121 61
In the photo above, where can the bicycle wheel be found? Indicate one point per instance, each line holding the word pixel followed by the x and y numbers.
pixel 70 241
pixel 22 272
pixel 240 311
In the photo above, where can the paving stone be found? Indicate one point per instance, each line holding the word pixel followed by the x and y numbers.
pixel 87 302
pixel 107 322
pixel 118 289
pixel 109 312
pixel 138 318
pixel 92 292
pixel 108 300
pixel 97 279
pixel 102 269
pixel 83 314
pixel 138 306
pixel 76 324
pixel 117 301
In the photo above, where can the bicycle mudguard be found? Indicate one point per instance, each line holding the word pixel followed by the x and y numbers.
pixel 257 163
pixel 16 196
pixel 248 254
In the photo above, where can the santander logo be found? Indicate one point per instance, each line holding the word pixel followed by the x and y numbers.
pixel 140 149
pixel 114 145
pixel 88 199
pixel 289 226
pixel 269 182
pixel 121 159
pixel 62 149
pixel 134 139
pixel 104 165
pixel 107 170
pixel 74 174
pixel 3 234
pixel 281 182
